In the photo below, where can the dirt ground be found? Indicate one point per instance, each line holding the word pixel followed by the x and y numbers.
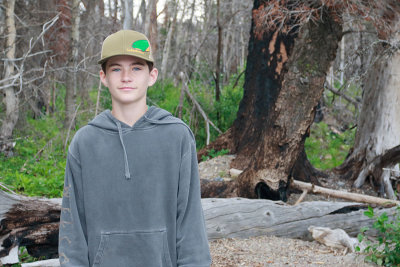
pixel 274 251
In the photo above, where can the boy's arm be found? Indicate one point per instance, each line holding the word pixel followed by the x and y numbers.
pixel 191 240
pixel 72 245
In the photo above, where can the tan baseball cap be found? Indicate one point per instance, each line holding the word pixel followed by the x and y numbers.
pixel 126 42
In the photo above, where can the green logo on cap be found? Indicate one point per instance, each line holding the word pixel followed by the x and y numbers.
pixel 142 45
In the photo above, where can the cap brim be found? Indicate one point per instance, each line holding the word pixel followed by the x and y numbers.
pixel 101 61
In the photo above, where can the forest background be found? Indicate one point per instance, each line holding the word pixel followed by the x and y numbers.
pixel 50 84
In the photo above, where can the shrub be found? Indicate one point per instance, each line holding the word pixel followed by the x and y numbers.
pixel 386 249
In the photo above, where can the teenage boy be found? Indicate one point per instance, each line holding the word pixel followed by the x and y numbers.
pixel 132 189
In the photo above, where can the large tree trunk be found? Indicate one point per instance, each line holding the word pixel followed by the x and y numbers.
pixel 379 122
pixel 272 124
pixel 10 95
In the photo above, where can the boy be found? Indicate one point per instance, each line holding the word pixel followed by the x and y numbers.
pixel 132 190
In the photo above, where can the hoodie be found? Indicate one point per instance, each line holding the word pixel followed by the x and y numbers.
pixel 132 195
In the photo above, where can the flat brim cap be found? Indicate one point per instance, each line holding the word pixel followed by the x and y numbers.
pixel 126 42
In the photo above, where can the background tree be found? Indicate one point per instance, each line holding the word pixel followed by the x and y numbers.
pixel 10 94
pixel 71 77
pixel 379 122
pixel 128 9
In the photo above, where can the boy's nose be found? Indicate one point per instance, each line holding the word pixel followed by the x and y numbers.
pixel 126 77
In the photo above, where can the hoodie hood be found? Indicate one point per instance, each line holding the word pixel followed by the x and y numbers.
pixel 153 116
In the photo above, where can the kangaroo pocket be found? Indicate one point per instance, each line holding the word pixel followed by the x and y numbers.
pixel 133 248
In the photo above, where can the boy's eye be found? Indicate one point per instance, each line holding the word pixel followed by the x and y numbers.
pixel 115 69
pixel 136 68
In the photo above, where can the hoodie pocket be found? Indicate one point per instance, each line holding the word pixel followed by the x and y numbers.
pixel 134 248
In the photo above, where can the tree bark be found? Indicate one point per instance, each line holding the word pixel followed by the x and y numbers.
pixel 151 25
pixel 29 222
pixel 71 77
pixel 272 124
pixel 168 42
pixel 379 122
pixel 218 60
pixel 10 99
pixel 243 218
pixel 128 8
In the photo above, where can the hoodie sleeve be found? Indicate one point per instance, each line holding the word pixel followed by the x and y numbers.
pixel 192 243
pixel 72 247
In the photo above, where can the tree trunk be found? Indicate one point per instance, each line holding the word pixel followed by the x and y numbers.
pixel 168 42
pixel 218 60
pixel 379 122
pixel 115 15
pixel 272 124
pixel 187 50
pixel 128 8
pixel 151 24
pixel 71 77
pixel 10 99
pixel 179 44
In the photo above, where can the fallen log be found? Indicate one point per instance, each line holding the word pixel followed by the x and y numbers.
pixel 30 222
pixel 33 222
pixel 307 188
pixel 242 218
pixel 343 194
pixel 44 263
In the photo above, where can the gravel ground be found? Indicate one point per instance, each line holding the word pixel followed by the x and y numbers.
pixel 274 251
pixel 270 250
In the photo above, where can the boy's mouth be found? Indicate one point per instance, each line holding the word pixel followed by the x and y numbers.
pixel 127 88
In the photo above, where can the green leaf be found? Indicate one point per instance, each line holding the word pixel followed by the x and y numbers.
pixel 369 213
pixel 360 237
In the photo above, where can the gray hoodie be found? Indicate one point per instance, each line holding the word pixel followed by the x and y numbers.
pixel 132 195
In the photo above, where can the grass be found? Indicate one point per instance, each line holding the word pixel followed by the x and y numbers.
pixel 326 149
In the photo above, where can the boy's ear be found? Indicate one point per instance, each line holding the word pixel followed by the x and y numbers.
pixel 103 78
pixel 153 76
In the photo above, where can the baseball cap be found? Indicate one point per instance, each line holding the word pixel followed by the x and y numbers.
pixel 126 42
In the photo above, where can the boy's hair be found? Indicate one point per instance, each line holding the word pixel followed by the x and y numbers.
pixel 104 65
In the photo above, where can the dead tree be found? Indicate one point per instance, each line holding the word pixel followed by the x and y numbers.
pixel 11 98
pixel 286 69
pixel 284 80
pixel 378 130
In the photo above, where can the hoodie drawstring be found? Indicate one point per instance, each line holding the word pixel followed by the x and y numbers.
pixel 127 173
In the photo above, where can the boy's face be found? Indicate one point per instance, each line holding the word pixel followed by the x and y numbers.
pixel 127 79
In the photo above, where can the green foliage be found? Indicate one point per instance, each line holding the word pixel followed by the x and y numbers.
pixel 326 149
pixel 166 95
pixel 25 257
pixel 37 167
pixel 105 98
pixel 212 154
pixel 386 251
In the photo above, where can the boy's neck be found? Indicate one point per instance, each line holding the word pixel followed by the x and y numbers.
pixel 129 115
